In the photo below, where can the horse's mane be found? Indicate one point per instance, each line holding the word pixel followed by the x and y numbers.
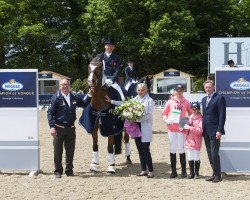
pixel 96 60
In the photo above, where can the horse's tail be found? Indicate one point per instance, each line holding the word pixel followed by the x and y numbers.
pixel 118 143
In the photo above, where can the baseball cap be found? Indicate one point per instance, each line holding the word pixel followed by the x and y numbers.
pixel 178 87
pixel 195 105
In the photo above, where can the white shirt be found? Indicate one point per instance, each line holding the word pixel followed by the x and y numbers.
pixel 67 98
pixel 108 54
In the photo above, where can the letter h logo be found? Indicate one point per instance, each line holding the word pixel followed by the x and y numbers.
pixel 238 52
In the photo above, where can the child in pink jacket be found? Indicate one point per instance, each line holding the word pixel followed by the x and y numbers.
pixel 194 140
pixel 178 107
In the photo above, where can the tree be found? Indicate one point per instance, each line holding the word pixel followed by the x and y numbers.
pixel 79 84
pixel 7 30
pixel 213 18
pixel 125 21
pixel 57 35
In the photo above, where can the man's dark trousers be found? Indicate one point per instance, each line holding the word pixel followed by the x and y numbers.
pixel 213 146
pixel 67 137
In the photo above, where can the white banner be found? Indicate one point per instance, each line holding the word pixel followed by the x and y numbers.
pixel 224 49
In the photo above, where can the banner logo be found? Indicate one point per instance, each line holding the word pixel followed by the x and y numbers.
pixel 241 84
pixel 12 85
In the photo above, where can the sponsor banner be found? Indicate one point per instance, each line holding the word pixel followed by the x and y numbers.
pixel 172 73
pixel 234 86
pixel 18 89
pixel 224 49
pixel 45 75
pixel 160 99
pixel 44 99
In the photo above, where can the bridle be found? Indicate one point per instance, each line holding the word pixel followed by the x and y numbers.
pixel 93 81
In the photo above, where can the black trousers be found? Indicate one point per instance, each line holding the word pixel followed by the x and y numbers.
pixel 213 147
pixel 67 137
pixel 144 154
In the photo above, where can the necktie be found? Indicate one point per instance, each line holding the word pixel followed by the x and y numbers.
pixel 208 99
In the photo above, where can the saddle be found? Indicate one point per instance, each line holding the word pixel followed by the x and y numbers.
pixel 109 123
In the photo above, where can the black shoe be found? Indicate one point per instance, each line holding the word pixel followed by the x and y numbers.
pixel 183 174
pixel 209 178
pixel 58 175
pixel 128 161
pixel 216 180
pixel 173 174
pixel 69 174
pixel 191 176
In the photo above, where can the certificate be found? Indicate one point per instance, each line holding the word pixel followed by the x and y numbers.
pixel 175 116
pixel 183 121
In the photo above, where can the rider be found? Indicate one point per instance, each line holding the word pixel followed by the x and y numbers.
pixel 130 74
pixel 111 64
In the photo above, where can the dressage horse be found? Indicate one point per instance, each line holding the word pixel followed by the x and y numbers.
pixel 97 116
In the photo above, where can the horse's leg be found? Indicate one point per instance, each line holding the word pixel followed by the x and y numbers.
pixel 94 166
pixel 127 148
pixel 111 155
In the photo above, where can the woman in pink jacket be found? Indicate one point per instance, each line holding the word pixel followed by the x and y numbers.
pixel 175 108
pixel 194 140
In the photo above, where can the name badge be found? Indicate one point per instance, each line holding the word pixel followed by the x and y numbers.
pixel 175 116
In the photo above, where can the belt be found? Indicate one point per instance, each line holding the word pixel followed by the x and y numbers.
pixel 64 126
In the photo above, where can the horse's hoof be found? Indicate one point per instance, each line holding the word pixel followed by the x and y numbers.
pixel 110 172
pixel 94 167
pixel 111 169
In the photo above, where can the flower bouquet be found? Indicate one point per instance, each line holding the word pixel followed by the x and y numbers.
pixel 131 111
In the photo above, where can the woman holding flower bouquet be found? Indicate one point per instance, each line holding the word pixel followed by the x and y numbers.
pixel 144 123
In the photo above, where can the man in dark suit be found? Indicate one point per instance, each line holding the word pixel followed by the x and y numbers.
pixel 61 118
pixel 214 117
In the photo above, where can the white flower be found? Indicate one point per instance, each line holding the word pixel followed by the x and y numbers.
pixel 130 110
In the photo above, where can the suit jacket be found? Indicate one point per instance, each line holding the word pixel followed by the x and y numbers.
pixel 214 115
pixel 112 65
pixel 129 74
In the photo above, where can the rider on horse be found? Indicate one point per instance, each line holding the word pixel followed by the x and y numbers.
pixel 130 74
pixel 111 65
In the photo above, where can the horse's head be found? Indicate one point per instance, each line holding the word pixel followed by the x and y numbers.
pixel 95 72
pixel 95 80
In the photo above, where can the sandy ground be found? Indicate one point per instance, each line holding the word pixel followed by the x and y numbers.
pixel 124 184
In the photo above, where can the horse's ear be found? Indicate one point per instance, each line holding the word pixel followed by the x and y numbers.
pixel 90 56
